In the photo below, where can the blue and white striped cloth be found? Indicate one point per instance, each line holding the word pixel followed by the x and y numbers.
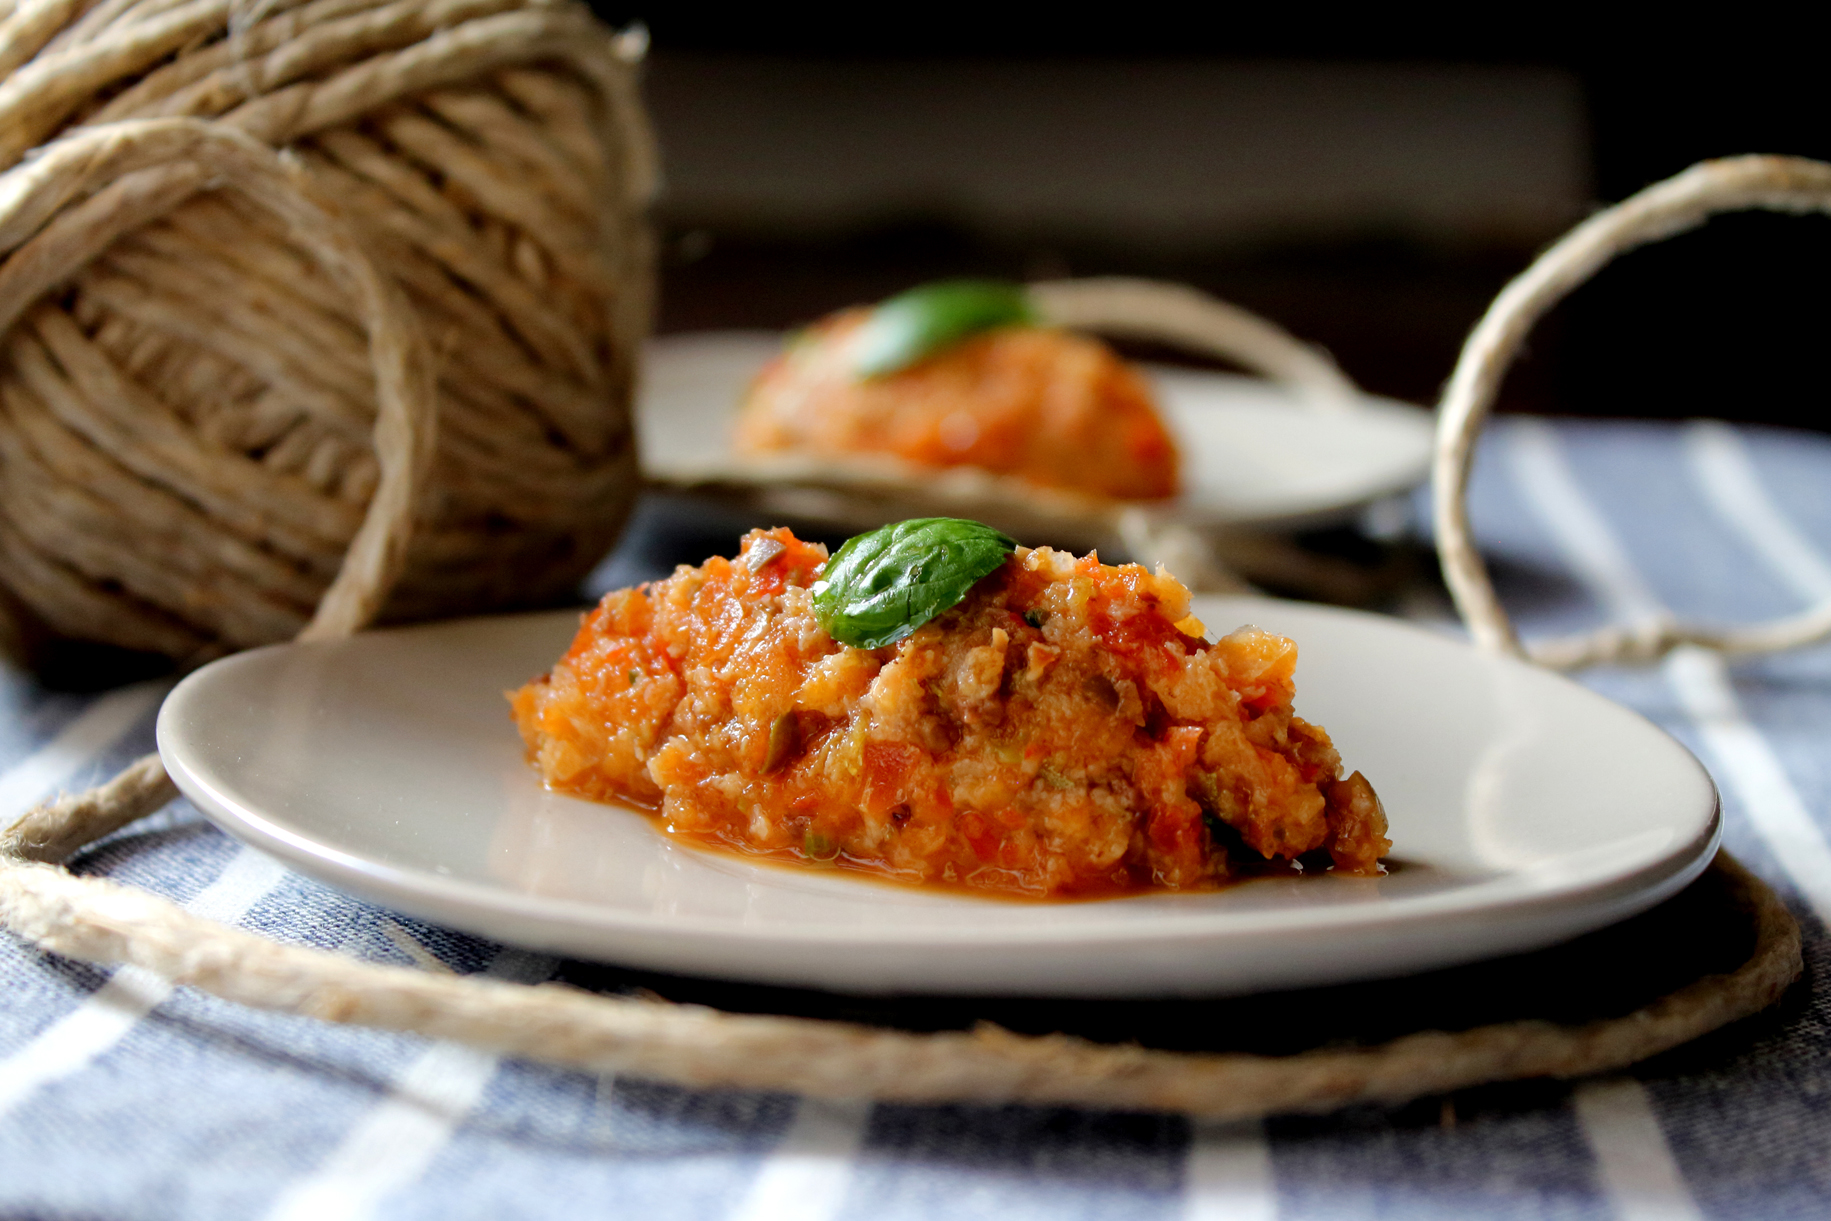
pixel 122 1098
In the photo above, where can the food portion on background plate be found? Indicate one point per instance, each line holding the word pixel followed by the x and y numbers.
pixel 964 373
pixel 740 414
pixel 939 705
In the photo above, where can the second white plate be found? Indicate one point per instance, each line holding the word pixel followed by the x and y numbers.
pixel 1252 454
pixel 1525 809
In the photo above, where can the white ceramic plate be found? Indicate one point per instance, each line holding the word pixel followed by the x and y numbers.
pixel 1524 808
pixel 1253 455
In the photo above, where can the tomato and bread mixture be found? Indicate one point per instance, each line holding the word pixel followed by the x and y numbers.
pixel 938 705
pixel 960 374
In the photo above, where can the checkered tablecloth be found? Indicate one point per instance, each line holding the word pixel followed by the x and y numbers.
pixel 123 1098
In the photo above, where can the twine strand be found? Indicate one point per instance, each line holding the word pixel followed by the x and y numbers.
pixel 1677 205
pixel 1187 318
pixel 108 924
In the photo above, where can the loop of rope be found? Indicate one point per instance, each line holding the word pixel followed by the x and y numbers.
pixel 172 159
pixel 1186 318
pixel 108 924
pixel 1680 203
pixel 1194 321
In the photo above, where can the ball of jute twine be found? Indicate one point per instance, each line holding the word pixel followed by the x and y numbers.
pixel 387 370
pixel 109 924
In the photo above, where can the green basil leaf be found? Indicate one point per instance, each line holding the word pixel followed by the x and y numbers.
pixel 883 585
pixel 914 325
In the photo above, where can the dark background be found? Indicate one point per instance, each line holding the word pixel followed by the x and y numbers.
pixel 1724 321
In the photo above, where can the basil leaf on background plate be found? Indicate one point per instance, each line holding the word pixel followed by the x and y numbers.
pixel 916 324
pixel 881 586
